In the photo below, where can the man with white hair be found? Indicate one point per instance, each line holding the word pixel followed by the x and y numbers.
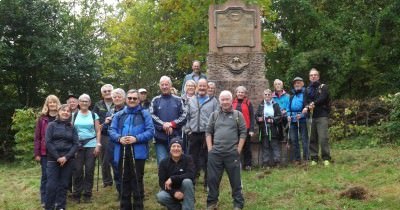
pixel 225 136
pixel 101 108
pixel 169 115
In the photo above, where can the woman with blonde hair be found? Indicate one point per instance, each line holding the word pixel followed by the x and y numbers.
pixel 47 115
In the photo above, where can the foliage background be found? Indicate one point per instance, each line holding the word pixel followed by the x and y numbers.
pixel 54 46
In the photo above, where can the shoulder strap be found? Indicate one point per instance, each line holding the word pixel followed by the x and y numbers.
pixel 75 115
pixel 93 117
pixel 290 102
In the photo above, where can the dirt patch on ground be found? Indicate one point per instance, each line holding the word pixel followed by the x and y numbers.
pixel 355 193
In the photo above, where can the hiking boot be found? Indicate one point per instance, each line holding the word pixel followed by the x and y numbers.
pixel 237 208
pixel 313 163
pixel 213 206
pixel 326 163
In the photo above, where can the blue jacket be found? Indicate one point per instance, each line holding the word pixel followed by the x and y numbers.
pixel 296 105
pixel 167 108
pixel 282 100
pixel 132 122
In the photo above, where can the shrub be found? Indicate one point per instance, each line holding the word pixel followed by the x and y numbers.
pixel 24 122
pixel 390 130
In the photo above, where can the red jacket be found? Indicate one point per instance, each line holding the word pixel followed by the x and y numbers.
pixel 247 110
pixel 40 131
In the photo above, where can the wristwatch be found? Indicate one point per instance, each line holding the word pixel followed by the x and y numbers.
pixel 98 144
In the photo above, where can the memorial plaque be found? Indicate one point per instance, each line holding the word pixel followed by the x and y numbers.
pixel 235 27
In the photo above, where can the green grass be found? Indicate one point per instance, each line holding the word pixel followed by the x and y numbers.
pixel 374 168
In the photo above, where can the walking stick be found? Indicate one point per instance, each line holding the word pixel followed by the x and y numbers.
pixel 309 134
pixel 260 144
pixel 136 177
pixel 98 174
pixel 123 171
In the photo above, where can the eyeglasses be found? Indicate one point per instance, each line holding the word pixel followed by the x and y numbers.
pixel 106 91
pixel 84 101
pixel 267 94
pixel 132 98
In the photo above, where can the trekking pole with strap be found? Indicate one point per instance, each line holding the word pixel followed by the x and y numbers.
pixel 260 143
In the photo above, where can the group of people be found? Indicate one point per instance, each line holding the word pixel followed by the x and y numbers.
pixel 192 132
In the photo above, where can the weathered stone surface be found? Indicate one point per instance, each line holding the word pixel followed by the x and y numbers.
pixel 235 55
pixel 235 27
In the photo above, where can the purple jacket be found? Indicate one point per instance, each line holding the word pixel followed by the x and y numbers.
pixel 40 131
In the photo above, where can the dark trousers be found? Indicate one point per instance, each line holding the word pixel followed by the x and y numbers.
pixel 84 172
pixel 114 167
pixel 43 179
pixel 247 157
pixel 217 163
pixel 131 181
pixel 105 160
pixel 58 179
pixel 271 147
pixel 198 151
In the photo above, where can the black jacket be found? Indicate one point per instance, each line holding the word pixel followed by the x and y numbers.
pixel 61 140
pixel 277 123
pixel 177 171
pixel 100 108
pixel 319 94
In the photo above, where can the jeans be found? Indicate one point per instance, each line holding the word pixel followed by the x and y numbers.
pixel 165 199
pixel 58 179
pixel 105 157
pixel 319 135
pixel 162 151
pixel 84 172
pixel 294 138
pixel 131 180
pixel 217 163
pixel 43 179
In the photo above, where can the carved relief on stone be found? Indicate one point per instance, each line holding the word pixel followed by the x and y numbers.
pixel 235 27
pixel 236 66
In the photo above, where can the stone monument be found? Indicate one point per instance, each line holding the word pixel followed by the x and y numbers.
pixel 235 54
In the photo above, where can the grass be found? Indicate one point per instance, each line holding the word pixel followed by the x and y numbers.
pixel 374 169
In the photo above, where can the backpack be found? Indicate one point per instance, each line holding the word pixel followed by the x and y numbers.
pixel 235 116
pixel 82 142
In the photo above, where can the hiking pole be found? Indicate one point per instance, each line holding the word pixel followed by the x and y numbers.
pixel 287 143
pixel 309 134
pixel 98 174
pixel 123 171
pixel 260 144
pixel 136 177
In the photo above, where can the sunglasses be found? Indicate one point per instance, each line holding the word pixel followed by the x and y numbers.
pixel 132 98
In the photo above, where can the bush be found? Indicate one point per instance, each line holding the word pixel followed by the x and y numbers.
pixel 390 130
pixel 24 122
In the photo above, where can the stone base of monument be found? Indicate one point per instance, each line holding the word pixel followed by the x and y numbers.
pixel 256 152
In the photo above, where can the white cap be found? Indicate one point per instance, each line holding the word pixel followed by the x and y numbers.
pixel 142 90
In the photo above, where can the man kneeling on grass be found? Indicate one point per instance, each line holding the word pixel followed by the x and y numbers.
pixel 176 175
